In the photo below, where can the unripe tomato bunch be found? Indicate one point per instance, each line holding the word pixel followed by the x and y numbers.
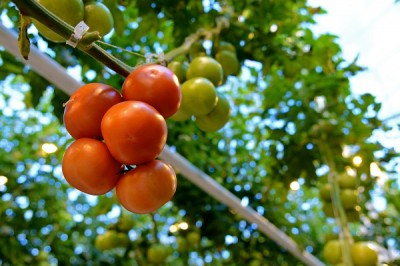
pixel 95 14
pixel 118 138
pixel 200 79
pixel 348 197
pixel 361 253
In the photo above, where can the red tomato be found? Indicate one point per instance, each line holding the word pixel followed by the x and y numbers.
pixel 89 167
pixel 134 132
pixel 86 107
pixel 156 85
pixel 147 187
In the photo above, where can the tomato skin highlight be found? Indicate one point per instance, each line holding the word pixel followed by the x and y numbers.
pixel 89 167
pixel 86 107
pixel 156 85
pixel 147 187
pixel 134 132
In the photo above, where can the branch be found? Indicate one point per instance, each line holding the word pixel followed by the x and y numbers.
pixel 33 9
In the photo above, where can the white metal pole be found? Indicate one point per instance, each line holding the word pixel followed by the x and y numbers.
pixel 55 73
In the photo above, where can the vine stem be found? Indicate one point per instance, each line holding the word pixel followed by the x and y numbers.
pixel 34 10
pixel 87 44
pixel 346 239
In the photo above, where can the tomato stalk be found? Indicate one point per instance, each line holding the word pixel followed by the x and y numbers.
pixel 33 9
pixel 346 239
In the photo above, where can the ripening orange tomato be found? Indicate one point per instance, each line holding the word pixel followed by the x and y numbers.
pixel 88 166
pixel 134 132
pixel 147 187
pixel 156 85
pixel 85 109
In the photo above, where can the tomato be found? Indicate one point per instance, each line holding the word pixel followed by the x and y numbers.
pixel 88 166
pixel 353 215
pixel 86 107
pixel 134 132
pixel 229 62
pixel 327 208
pixel 205 67
pixel 199 96
pixel 125 222
pixel 157 253
pixel 363 255
pixel 147 187
pixel 179 69
pixel 181 244
pixel 123 239
pixel 332 252
pixel 325 192
pixel 181 116
pixel 106 241
pixel 347 181
pixel 348 198
pixel 226 46
pixel 71 11
pixel 98 17
pixel 193 238
pixel 156 85
pixel 217 118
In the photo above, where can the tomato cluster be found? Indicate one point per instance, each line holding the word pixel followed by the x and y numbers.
pixel 361 253
pixel 348 197
pixel 95 14
pixel 200 79
pixel 119 136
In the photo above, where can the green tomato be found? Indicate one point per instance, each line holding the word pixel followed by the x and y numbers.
pixel 325 192
pixel 123 239
pixel 199 96
pixel 332 252
pixel 98 17
pixel 180 116
pixel 193 238
pixel 125 222
pixel 217 118
pixel 108 240
pixel 229 62
pixel 181 244
pixel 347 181
pixel 353 215
pixel 71 11
pixel 205 67
pixel 348 198
pixel 363 255
pixel 328 209
pixel 157 253
pixel 226 46
pixel 179 69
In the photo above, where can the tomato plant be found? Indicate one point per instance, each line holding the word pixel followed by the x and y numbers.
pixel 89 167
pixel 98 17
pixel 71 11
pixel 85 109
pixel 156 85
pixel 134 132
pixel 147 187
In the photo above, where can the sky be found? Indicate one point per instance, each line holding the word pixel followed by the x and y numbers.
pixel 369 28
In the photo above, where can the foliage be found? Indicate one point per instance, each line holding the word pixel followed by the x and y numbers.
pixel 292 95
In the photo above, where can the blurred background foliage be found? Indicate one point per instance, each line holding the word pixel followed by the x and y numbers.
pixel 291 95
